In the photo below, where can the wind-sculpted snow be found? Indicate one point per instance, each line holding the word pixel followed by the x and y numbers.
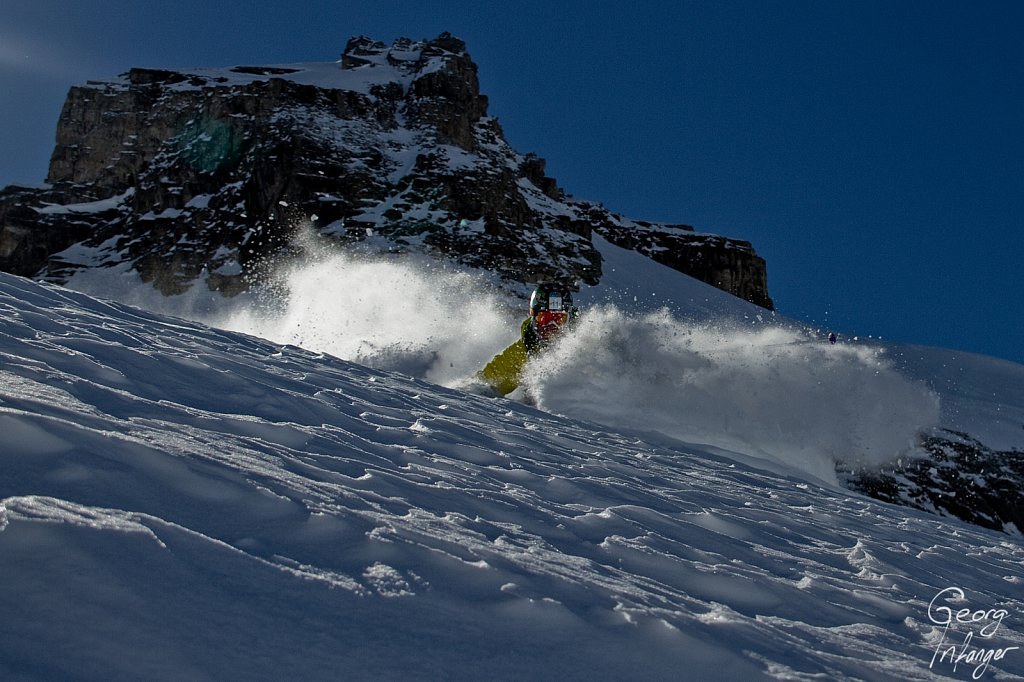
pixel 178 502
pixel 767 391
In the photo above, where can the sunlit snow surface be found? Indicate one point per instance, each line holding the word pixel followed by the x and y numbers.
pixel 180 502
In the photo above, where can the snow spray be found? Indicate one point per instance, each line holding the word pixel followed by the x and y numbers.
pixel 771 391
pixel 406 313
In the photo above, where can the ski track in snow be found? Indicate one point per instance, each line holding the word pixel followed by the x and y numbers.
pixel 181 502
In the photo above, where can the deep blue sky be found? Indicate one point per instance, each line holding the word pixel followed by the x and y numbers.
pixel 873 152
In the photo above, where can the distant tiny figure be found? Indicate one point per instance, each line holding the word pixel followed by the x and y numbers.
pixel 832 338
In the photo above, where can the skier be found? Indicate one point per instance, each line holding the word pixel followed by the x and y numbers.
pixel 551 311
pixel 832 338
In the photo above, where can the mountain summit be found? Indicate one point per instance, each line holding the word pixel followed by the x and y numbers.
pixel 206 175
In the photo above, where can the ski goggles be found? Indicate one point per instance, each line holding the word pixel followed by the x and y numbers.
pixel 548 323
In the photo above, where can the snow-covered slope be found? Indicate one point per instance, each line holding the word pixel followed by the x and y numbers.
pixel 180 502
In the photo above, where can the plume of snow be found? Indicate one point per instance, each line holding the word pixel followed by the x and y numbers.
pixel 398 312
pixel 767 391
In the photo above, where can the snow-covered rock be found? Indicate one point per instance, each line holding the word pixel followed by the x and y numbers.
pixel 212 171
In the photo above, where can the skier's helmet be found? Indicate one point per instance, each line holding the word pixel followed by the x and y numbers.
pixel 550 298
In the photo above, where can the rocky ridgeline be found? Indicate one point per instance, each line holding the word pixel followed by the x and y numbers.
pixel 206 176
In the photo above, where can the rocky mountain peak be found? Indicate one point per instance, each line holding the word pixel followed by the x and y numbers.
pixel 408 55
pixel 204 176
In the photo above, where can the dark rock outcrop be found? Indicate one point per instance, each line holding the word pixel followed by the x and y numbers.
pixel 206 175
pixel 959 476
pixel 729 264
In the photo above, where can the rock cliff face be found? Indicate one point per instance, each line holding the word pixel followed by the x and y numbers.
pixel 205 176
pixel 958 477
